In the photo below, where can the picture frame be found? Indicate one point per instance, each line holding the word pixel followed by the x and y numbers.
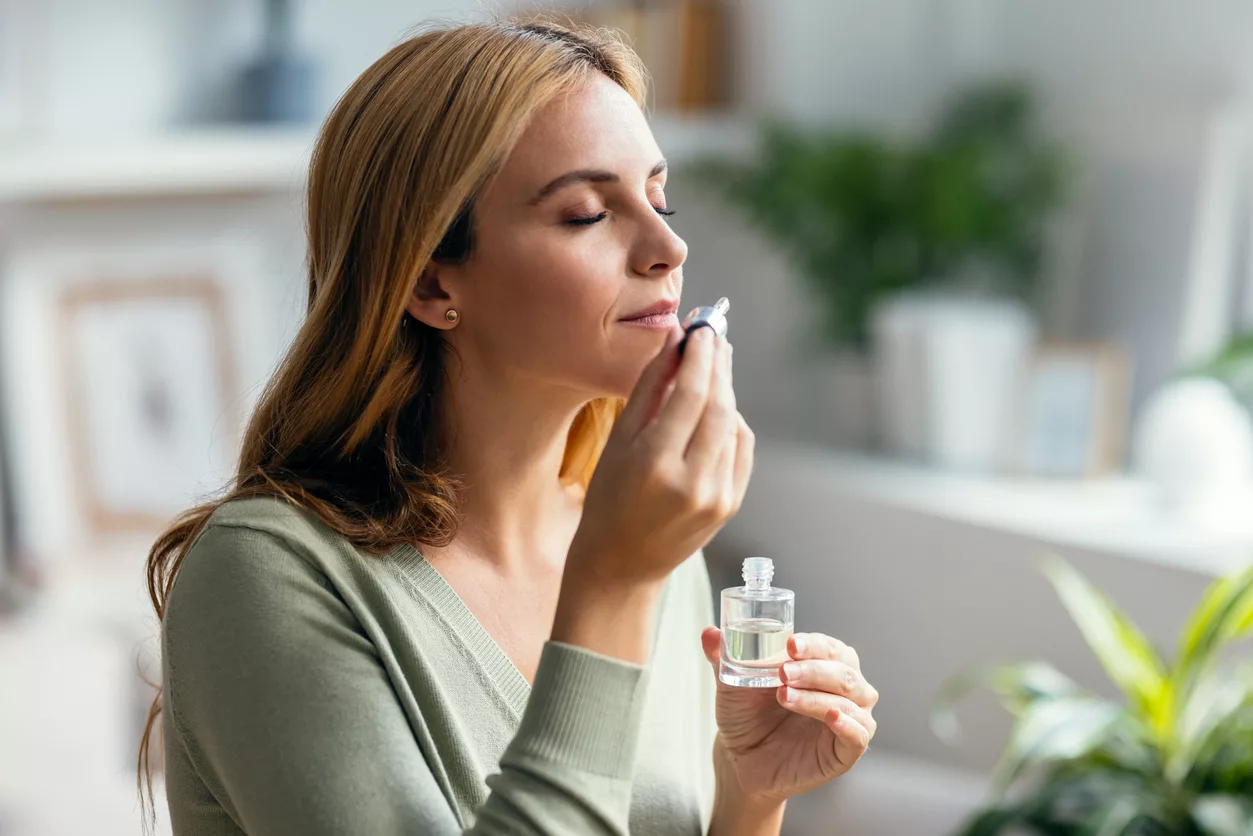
pixel 1072 411
pixel 146 375
pixel 57 381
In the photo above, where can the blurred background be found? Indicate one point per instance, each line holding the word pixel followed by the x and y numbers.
pixel 989 266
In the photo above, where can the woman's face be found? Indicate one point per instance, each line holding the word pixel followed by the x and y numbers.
pixel 570 243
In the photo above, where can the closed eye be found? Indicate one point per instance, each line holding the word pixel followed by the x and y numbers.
pixel 589 220
pixel 600 216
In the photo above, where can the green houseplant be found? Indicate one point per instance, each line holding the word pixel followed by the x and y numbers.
pixel 1174 758
pixel 1233 365
pixel 864 217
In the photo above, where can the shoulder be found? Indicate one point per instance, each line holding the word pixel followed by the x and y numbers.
pixel 253 628
pixel 247 541
pixel 255 587
pixel 273 516
pixel 256 562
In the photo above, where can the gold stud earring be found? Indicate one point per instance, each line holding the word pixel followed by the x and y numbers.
pixel 452 315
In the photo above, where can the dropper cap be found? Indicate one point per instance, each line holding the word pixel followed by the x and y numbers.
pixel 758 572
pixel 714 316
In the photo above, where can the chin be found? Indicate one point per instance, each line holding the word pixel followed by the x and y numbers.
pixel 620 371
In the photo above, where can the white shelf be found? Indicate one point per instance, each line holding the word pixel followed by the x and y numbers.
pixel 251 160
pixel 1120 516
pixel 200 162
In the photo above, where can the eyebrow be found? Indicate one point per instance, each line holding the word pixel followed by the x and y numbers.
pixel 586 175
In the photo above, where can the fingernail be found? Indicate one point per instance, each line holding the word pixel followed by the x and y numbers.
pixel 789 696
pixel 792 671
pixel 834 719
pixel 800 645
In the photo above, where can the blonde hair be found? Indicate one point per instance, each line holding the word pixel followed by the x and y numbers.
pixel 345 428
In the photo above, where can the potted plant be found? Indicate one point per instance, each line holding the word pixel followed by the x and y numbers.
pixel 1174 757
pixel 961 212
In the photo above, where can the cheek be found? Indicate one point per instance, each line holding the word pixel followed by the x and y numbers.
pixel 551 300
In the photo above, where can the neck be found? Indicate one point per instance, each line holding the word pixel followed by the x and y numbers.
pixel 506 439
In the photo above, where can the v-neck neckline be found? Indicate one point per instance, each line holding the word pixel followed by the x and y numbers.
pixel 414 568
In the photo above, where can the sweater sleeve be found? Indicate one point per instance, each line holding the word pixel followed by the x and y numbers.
pixel 283 709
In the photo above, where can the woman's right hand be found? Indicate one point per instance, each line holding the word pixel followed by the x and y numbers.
pixel 674 469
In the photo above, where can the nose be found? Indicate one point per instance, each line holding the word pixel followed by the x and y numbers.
pixel 659 251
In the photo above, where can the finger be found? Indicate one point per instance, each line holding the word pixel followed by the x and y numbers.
pixel 728 454
pixel 682 410
pixel 718 423
pixel 743 468
pixel 843 717
pixel 711 643
pixel 822 646
pixel 852 737
pixel 649 390
pixel 833 678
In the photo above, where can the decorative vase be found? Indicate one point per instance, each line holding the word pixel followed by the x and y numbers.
pixel 280 85
pixel 950 369
pixel 1194 443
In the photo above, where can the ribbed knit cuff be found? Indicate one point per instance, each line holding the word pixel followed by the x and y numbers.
pixel 584 711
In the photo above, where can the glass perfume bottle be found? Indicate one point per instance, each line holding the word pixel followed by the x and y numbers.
pixel 756 623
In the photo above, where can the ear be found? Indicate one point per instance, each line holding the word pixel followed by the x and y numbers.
pixel 430 300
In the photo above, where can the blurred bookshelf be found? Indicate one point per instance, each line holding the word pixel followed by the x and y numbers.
pixel 251 160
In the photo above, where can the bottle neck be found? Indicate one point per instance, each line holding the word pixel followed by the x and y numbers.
pixel 757 573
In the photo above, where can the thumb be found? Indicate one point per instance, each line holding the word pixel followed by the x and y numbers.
pixel 645 399
pixel 711 643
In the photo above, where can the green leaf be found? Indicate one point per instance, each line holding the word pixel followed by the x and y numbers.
pixel 1223 815
pixel 1016 686
pixel 1112 820
pixel 1124 652
pixel 1056 730
pixel 991 822
pixel 1212 702
pixel 1074 796
pixel 1225 614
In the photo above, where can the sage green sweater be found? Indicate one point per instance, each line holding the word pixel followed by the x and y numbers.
pixel 314 689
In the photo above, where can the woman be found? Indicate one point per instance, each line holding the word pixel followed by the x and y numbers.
pixel 417 611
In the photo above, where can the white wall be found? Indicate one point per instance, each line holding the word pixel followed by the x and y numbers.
pixel 879 64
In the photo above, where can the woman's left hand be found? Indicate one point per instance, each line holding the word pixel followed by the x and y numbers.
pixel 784 741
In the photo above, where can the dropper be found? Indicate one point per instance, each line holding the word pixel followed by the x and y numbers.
pixel 714 317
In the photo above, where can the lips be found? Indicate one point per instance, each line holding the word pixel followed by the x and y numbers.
pixel 664 309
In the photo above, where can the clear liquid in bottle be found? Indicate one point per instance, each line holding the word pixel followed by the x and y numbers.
pixel 756 624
